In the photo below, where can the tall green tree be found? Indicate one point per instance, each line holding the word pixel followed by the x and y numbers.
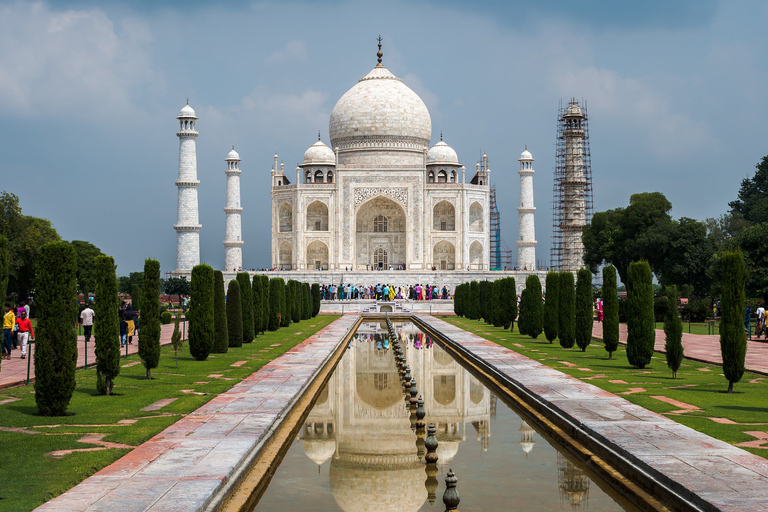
pixel 3 268
pixel 136 297
pixel 610 310
pixel 533 314
pixel 753 242
pixel 285 310
pixel 752 202
pixel 486 310
pixel 200 313
pixel 315 299
pixel 293 300
pixel 149 334
pixel 584 316
pixel 457 300
pixel 234 314
pixel 473 302
pixel 688 256
pixel 307 301
pixel 176 340
pixel 673 332
pixel 55 339
pixel 106 329
pixel 733 338
pixel 246 301
pixel 641 334
pixel 258 317
pixel 276 299
pixel 495 305
pixel 221 336
pixel 551 314
pixel 511 303
pixel 566 321
pixel 86 254
pixel 522 315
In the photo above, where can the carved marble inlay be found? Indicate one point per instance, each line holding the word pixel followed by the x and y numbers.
pixel 398 194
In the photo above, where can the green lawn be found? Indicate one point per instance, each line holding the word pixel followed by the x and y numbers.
pixel 697 384
pixel 31 477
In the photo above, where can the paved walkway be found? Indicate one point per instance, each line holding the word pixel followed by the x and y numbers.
pixel 702 347
pixel 182 467
pixel 711 473
pixel 13 372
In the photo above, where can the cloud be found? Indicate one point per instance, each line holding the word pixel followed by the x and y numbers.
pixel 73 62
pixel 293 50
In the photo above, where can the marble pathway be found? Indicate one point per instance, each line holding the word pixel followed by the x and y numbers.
pixel 183 466
pixel 709 471
pixel 702 347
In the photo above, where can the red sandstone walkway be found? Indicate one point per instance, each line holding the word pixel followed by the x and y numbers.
pixel 14 372
pixel 702 347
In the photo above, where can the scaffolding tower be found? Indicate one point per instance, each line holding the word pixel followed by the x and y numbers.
pixel 501 254
pixel 572 197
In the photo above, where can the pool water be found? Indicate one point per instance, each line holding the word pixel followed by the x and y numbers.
pixel 357 450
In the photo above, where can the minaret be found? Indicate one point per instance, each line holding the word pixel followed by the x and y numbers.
pixel 187 224
pixel 526 243
pixel 233 232
pixel 574 183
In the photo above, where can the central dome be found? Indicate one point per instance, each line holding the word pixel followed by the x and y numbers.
pixel 379 112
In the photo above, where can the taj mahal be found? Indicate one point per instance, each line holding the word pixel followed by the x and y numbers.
pixel 377 198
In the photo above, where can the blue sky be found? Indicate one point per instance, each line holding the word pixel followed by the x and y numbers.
pixel 89 95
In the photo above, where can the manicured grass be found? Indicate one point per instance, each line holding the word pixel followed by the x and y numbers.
pixel 31 477
pixel 697 384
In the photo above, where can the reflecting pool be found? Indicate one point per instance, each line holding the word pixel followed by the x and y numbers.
pixel 359 450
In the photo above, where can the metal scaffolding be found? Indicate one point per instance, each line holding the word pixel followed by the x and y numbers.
pixel 501 254
pixel 572 197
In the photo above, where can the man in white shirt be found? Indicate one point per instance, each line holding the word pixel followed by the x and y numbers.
pixel 761 320
pixel 86 320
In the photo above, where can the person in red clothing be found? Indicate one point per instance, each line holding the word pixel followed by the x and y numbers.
pixel 25 332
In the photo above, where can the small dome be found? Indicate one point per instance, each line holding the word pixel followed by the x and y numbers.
pixel 319 450
pixel 187 111
pixel 527 446
pixel 233 155
pixel 573 110
pixel 319 154
pixel 442 154
pixel 446 451
pixel 526 155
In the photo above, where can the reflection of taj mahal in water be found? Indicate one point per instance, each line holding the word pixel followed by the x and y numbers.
pixel 364 428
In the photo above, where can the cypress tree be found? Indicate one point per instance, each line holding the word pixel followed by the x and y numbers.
pixel 4 268
pixel 733 339
pixel 551 316
pixel 274 304
pixel 584 311
pixel 265 307
pixel 135 297
pixel 509 303
pixel 293 300
pixel 176 340
pixel 315 299
pixel 258 318
pixel 486 311
pixel 474 300
pixel 673 332
pixel 149 334
pixel 285 310
pixel 221 336
pixel 610 310
pixel 106 330
pixel 534 311
pixel 234 314
pixel 640 319
pixel 457 301
pixel 566 328
pixel 246 301
pixel 55 339
pixel 522 326
pixel 200 313
pixel 307 300
pixel 495 303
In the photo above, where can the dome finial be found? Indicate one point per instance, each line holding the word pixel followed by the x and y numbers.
pixel 379 54
pixel 526 147
pixel 187 100
pixel 318 134
pixel 441 135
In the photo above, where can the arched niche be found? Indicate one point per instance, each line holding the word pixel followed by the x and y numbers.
pixel 285 255
pixel 317 216
pixel 476 217
pixel 285 216
pixel 444 388
pixel 444 217
pixel 476 255
pixel 444 256
pixel 379 232
pixel 319 176
pixel 317 255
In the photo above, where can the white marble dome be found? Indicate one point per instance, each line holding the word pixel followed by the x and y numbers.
pixel 233 155
pixel 319 450
pixel 526 155
pixel 382 110
pixel 442 154
pixel 319 154
pixel 187 111
pixel 573 110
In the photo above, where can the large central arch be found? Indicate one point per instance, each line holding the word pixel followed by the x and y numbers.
pixel 379 230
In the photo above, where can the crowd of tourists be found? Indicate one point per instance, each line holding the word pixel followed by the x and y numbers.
pixel 383 292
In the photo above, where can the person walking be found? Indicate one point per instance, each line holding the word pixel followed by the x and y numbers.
pixel 86 320
pixel 9 321
pixel 761 321
pixel 25 332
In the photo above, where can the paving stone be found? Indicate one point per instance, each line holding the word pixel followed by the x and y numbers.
pixel 159 404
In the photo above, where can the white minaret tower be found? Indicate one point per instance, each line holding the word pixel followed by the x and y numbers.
pixel 233 232
pixel 187 224
pixel 526 243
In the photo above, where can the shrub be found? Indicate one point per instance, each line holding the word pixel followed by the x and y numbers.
pixel 659 308
pixel 285 309
pixel 610 311
pixel 246 301
pixel 315 299
pixel 551 306
pixel 257 295
pixel 474 301
pixel 566 321
pixel 486 308
pixel 106 330
pixel 457 293
pixel 584 315
pixel 733 338
pixel 307 300
pixel 673 332
pixel 166 317
pixel 265 308
pixel 533 310
pixel 293 300
pixel 149 334
pixel 55 339
pixel 276 297
pixel 234 314
pixel 200 313
pixel 221 334
pixel 641 335
pixel 497 318
pixel 696 310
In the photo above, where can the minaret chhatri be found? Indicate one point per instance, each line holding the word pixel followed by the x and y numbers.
pixel 526 243
pixel 233 233
pixel 187 223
